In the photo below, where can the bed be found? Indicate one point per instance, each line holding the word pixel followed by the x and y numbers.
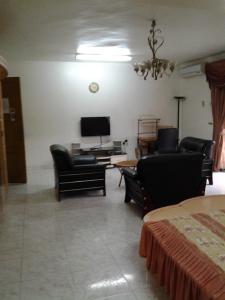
pixel 184 246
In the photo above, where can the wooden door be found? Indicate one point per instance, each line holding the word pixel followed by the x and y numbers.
pixel 3 159
pixel 13 120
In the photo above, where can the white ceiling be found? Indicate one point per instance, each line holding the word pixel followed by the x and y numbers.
pixel 53 29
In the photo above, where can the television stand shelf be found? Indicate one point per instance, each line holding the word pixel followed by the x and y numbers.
pixel 105 155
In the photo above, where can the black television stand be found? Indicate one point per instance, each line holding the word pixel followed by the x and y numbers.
pixel 105 155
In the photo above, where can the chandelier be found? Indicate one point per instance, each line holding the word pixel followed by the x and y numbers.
pixel 157 67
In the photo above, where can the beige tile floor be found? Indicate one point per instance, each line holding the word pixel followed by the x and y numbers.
pixel 85 247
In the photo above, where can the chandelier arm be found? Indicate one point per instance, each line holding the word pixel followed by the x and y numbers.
pixel 156 75
pixel 152 38
pixel 156 38
pixel 146 75
pixel 160 45
pixel 151 45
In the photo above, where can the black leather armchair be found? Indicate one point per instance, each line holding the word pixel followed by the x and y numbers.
pixel 78 173
pixel 164 179
pixel 192 144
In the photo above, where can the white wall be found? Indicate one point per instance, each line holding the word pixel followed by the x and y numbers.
pixel 55 95
pixel 196 109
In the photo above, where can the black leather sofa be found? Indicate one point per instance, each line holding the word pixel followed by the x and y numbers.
pixel 164 179
pixel 76 173
pixel 192 144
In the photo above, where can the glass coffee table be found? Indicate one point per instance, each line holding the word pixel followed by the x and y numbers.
pixel 125 164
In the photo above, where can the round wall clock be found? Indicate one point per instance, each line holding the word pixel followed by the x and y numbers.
pixel 93 87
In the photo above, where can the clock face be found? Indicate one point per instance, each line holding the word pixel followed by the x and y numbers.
pixel 93 87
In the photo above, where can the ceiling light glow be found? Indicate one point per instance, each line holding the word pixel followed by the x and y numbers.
pixel 113 54
pixel 103 50
pixel 113 58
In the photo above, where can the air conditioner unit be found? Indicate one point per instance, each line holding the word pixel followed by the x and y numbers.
pixel 191 71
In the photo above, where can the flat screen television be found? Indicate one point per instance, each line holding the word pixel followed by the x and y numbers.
pixel 95 126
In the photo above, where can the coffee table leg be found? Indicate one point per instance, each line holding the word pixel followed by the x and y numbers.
pixel 120 178
pixel 125 164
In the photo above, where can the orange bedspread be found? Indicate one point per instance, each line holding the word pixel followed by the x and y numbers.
pixel 187 254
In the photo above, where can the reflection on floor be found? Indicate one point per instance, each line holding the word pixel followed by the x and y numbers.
pixel 82 248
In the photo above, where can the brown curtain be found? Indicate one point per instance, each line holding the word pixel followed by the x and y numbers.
pixel 222 160
pixel 215 73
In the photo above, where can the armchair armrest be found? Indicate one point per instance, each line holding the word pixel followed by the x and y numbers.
pixel 129 173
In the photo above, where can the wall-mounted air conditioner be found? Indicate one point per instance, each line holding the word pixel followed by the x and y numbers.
pixel 191 71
